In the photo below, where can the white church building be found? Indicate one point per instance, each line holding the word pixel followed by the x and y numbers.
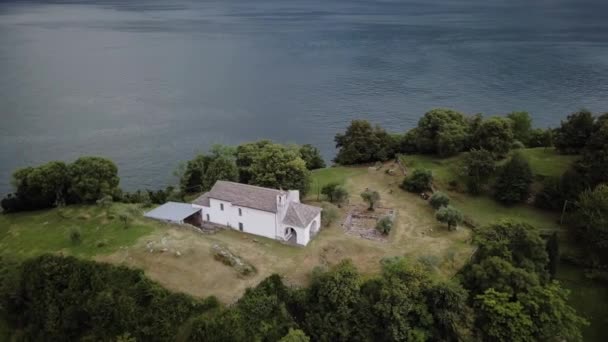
pixel 275 214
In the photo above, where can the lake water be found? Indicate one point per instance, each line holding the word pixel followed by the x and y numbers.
pixel 150 83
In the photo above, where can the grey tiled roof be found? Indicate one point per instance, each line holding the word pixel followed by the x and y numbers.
pixel 300 215
pixel 202 200
pixel 243 195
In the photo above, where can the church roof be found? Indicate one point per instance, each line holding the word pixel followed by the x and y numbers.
pixel 300 215
pixel 243 195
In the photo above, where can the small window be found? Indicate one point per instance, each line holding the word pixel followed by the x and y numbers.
pixel 208 219
pixel 240 226
pixel 222 206
pixel 240 212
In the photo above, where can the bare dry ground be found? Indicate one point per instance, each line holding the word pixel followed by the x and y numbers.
pixel 416 235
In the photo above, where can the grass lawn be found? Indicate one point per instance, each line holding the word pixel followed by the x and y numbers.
pixel 339 174
pixel 29 234
pixel 547 162
pixel 484 210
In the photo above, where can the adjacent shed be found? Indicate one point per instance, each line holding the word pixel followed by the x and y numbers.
pixel 176 212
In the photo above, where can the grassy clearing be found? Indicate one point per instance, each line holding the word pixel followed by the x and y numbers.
pixel 547 162
pixel 339 174
pixel 483 209
pixel 416 235
pixel 47 231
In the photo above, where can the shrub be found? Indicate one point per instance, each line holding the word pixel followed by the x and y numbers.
pixel 329 214
pixel 449 215
pixel 124 218
pixel 335 193
pixel 105 201
pixel 439 199
pixel 75 236
pixel 419 181
pixel 384 225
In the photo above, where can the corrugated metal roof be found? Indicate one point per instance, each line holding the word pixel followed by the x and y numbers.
pixel 172 211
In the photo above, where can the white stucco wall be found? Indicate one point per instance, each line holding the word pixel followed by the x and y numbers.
pixel 254 221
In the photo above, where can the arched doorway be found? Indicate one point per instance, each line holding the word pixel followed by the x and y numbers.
pixel 291 236
pixel 314 228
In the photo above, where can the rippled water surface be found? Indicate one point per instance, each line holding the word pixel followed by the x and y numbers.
pixel 149 83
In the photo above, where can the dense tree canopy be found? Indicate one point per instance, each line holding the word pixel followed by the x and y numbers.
pixel 479 166
pixel 221 168
pixel 277 166
pixel 494 135
pixel 590 221
pixel 68 299
pixel 514 181
pixel 93 178
pixel 573 134
pixel 521 124
pixel 362 143
pixel 312 156
pixel 511 291
pixel 441 131
pixel 39 187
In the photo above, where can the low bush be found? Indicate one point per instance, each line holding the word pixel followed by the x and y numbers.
pixel 384 225
pixel 439 199
pixel 419 181
pixel 75 236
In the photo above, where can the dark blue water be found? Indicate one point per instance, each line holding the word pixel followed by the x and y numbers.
pixel 149 83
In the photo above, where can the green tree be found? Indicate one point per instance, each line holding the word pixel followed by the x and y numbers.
pixel 499 319
pixel 494 135
pixel 450 216
pixel 540 138
pixel 191 177
pixel 441 131
pixel 330 214
pixel 328 190
pixel 220 168
pixel 400 304
pixel 552 246
pixel 551 195
pixel 245 155
pixel 553 319
pixel 371 197
pixel 362 143
pixel 93 178
pixel 332 304
pixel 590 221
pixel 312 156
pixel 335 193
pixel 499 274
pixel 574 133
pixel 439 199
pixel 522 126
pixel 40 187
pixel 446 301
pixel 384 225
pixel 295 335
pixel 514 181
pixel 479 166
pixel 516 242
pixel 419 181
pixel 277 166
